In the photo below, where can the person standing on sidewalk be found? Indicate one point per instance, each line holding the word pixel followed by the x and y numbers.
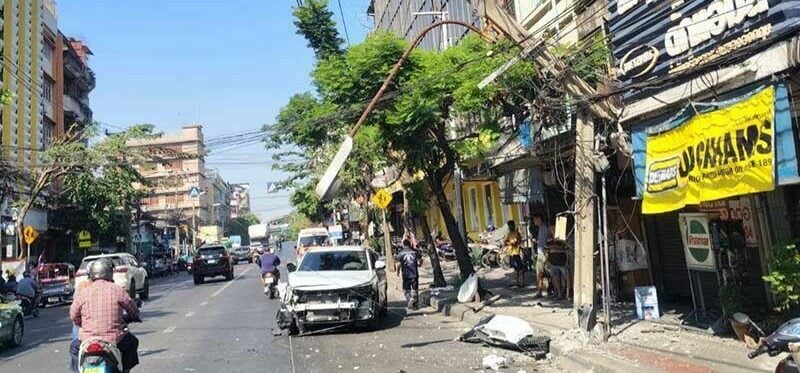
pixel 542 236
pixel 512 243
pixel 409 264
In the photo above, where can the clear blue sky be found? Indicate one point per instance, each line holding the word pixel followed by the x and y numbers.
pixel 227 64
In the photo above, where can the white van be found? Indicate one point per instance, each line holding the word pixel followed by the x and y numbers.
pixel 311 237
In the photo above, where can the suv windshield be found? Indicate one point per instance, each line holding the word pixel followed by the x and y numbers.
pixel 114 259
pixel 334 261
pixel 211 251
pixel 313 240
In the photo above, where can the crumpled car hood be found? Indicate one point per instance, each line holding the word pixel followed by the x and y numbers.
pixel 329 280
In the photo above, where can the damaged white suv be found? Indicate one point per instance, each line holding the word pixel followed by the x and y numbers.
pixel 334 286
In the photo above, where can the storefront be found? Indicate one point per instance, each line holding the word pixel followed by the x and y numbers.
pixel 711 115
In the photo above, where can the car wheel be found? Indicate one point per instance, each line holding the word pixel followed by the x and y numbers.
pixel 132 290
pixel 145 294
pixel 17 331
pixel 375 322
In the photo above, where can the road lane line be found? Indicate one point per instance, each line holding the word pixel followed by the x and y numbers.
pixel 218 292
pixel 169 330
pixel 291 353
pixel 189 314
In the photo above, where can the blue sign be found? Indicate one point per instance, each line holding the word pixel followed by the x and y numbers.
pixel 194 192
pixel 272 187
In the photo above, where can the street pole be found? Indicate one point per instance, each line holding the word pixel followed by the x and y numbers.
pixel 584 281
pixel 28 258
pixel 194 223
pixel 387 241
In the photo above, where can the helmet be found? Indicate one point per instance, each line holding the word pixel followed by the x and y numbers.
pixel 102 268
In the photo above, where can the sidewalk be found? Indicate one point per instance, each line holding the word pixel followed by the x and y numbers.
pixel 654 346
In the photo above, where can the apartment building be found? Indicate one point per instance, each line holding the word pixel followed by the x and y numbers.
pixel 408 18
pixel 559 21
pixel 240 200
pixel 182 168
pixel 220 194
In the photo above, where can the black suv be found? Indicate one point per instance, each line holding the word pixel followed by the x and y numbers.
pixel 210 261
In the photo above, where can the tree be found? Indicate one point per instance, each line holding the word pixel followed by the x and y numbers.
pixel 99 175
pixel 315 22
pixel 239 226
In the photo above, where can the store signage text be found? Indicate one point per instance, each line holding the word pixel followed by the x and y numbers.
pixel 723 153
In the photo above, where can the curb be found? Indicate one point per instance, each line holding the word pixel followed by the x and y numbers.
pixel 572 361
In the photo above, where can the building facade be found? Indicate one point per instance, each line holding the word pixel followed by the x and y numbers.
pixel 408 18
pixel 240 200
pixel 181 168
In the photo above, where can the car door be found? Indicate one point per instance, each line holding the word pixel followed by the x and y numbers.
pixel 138 273
pixel 6 319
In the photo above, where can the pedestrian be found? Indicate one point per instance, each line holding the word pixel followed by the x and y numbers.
pixel 11 282
pixel 409 261
pixel 512 246
pixel 542 236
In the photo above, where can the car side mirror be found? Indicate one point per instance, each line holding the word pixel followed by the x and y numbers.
pixel 291 267
pixel 380 264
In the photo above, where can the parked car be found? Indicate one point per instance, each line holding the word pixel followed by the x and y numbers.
pixel 241 254
pixel 342 285
pixel 56 281
pixel 12 325
pixel 309 238
pixel 128 273
pixel 212 260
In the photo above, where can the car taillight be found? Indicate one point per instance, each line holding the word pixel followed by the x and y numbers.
pixel 121 270
pixel 94 348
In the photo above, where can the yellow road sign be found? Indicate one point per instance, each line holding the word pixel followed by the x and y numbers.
pixel 382 199
pixel 84 239
pixel 29 234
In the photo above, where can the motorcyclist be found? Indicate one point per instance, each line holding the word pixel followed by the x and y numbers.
pixel 269 263
pixel 26 289
pixel 11 282
pixel 98 312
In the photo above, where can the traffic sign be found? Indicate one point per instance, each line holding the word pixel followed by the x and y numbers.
pixel 84 239
pixel 272 187
pixel 382 199
pixel 29 234
pixel 194 192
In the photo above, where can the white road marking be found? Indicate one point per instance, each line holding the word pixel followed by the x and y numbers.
pixel 291 353
pixel 189 314
pixel 218 292
pixel 204 303
pixel 169 330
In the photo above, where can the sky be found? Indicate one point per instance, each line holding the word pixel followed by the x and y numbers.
pixel 229 65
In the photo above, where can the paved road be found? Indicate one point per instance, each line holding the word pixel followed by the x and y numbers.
pixel 226 327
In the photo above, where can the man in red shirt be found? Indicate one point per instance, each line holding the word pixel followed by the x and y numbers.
pixel 98 311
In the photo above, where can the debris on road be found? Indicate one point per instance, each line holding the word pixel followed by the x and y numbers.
pixel 495 362
pixel 508 332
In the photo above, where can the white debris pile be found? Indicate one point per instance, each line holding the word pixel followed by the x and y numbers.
pixel 495 362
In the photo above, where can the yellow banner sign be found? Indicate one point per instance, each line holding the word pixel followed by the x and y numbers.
pixel 719 154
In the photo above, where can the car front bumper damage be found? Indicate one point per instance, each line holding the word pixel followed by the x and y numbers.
pixel 329 307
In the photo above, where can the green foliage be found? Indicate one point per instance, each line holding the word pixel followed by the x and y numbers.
pixel 591 66
pixel 315 22
pixel 784 279
pixel 6 97
pixel 296 223
pixel 307 204
pixel 239 226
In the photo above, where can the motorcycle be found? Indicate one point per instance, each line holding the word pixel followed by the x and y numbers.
pixel 30 307
pixel 99 356
pixel 270 284
pixel 189 267
pixel 785 339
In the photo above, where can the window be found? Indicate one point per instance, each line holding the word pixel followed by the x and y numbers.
pixel 47 132
pixel 334 261
pixel 172 199
pixel 473 208
pixel 507 213
pixel 47 89
pixel 176 165
pixel 48 50
pixel 488 204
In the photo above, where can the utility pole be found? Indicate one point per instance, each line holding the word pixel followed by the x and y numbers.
pixel 585 243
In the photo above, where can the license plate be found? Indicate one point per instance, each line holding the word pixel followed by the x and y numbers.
pixel 212 261
pixel 52 299
pixel 101 368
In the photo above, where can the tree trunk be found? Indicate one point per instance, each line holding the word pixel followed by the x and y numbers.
pixel 438 275
pixel 459 245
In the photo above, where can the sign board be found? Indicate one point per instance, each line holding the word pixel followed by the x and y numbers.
pixel 736 209
pixel 272 187
pixel 84 239
pixel 335 232
pixel 646 302
pixel 719 154
pixel 656 39
pixel 382 199
pixel 194 192
pixel 235 241
pixel 696 234
pixel 29 234
pixel 329 183
pixel 629 255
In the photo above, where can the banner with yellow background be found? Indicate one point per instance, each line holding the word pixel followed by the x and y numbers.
pixel 723 153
